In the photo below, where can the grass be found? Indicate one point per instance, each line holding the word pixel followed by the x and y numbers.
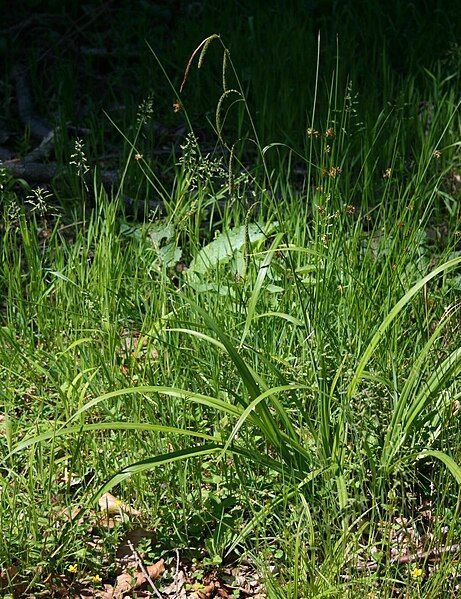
pixel 271 370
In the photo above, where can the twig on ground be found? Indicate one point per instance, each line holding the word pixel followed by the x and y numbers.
pixel 176 579
pixel 140 565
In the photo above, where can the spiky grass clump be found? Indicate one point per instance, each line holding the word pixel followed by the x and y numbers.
pixel 292 394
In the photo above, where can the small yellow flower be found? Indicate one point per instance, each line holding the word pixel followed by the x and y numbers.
pixel 96 579
pixel 416 573
pixel 72 569
pixel 311 132
pixel 387 173
pixel 138 156
pixel 437 154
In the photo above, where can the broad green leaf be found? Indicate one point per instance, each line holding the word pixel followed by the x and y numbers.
pixel 156 232
pixel 223 247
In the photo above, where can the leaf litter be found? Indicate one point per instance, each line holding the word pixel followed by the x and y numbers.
pixel 181 577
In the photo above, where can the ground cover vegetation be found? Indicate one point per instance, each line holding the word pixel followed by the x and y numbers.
pixel 230 301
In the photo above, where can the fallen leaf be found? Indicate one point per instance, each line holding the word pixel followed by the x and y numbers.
pixel 125 582
pixel 156 570
pixel 106 521
pixel 111 505
pixel 208 589
pixel 132 581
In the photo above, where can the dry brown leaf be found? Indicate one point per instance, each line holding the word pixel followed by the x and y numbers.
pixel 156 570
pixel 127 581
pixel 208 589
pixel 104 520
pixel 68 514
pixel 111 505
pixel 130 582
